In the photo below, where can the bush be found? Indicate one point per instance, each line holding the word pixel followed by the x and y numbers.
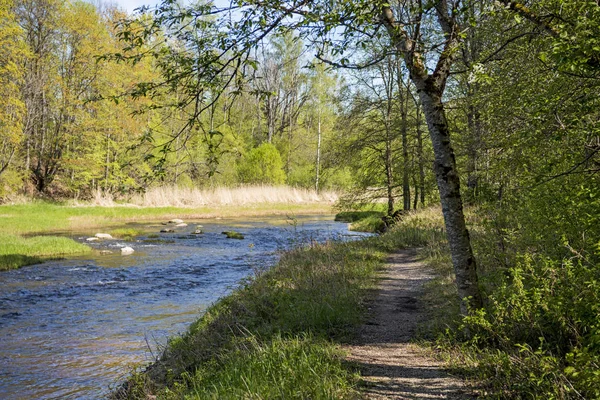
pixel 262 165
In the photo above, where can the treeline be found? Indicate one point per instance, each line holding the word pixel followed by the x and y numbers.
pixel 85 111
pixel 72 120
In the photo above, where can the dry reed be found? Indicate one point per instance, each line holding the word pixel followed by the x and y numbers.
pixel 173 196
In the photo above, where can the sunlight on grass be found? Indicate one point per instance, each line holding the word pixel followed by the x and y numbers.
pixel 17 251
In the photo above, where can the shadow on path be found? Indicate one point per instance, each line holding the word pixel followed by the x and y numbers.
pixel 392 367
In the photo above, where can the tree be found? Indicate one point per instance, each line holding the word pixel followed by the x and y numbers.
pixel 262 165
pixel 337 28
pixel 13 53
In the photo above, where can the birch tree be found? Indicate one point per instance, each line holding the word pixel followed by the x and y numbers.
pixel 425 34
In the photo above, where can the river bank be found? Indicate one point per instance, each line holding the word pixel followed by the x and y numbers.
pixel 70 328
pixel 279 334
pixel 28 231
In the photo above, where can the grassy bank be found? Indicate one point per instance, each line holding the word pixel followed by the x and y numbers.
pixel 277 335
pixel 17 251
pixel 38 217
pixel 368 218
pixel 41 217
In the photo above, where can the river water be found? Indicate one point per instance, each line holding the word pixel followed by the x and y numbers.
pixel 71 329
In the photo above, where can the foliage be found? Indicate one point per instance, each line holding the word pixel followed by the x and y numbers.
pixel 537 335
pixel 13 54
pixel 262 165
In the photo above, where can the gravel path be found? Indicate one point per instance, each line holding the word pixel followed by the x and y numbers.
pixel 391 367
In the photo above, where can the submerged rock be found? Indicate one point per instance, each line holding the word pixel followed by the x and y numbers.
pixel 181 225
pixel 92 239
pixel 127 250
pixel 233 235
pixel 198 232
pixel 167 230
pixel 176 221
pixel 103 236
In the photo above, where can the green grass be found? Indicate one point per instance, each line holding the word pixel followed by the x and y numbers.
pixel 17 251
pixel 280 368
pixel 126 233
pixel 362 221
pixel 369 224
pixel 233 235
pixel 353 216
pixel 278 334
pixel 40 217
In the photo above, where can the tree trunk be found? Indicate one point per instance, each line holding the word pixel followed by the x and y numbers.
pixel 389 172
pixel 420 156
pixel 318 163
pixel 406 163
pixel 448 182
pixel 431 88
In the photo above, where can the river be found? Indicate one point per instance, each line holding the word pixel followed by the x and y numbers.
pixel 71 329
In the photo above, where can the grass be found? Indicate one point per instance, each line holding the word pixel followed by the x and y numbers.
pixel 278 335
pixel 126 233
pixel 17 251
pixel 362 221
pixel 40 217
pixel 353 216
pixel 233 235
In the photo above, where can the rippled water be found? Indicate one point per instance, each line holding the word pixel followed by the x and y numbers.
pixel 69 329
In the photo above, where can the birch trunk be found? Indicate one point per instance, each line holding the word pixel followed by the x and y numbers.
pixel 431 87
pixel 448 182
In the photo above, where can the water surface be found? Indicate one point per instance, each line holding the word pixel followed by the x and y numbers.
pixel 70 329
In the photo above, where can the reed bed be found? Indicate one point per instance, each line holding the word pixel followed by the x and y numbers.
pixel 173 196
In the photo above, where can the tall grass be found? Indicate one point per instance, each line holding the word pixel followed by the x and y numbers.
pixel 174 196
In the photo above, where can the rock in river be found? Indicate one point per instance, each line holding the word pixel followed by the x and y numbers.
pixel 233 235
pixel 127 250
pixel 176 221
pixel 103 236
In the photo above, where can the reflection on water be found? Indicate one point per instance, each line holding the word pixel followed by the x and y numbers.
pixel 71 328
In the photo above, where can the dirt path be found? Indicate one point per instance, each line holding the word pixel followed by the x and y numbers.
pixel 391 367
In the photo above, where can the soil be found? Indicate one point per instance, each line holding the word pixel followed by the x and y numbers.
pixel 391 366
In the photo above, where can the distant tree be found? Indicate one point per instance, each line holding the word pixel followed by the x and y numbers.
pixel 13 53
pixel 262 165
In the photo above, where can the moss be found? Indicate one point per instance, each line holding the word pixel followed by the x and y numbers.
pixel 233 235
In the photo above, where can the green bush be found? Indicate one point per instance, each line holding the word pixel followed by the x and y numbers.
pixel 262 165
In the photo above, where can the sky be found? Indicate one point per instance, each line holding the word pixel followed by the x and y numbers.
pixel 130 5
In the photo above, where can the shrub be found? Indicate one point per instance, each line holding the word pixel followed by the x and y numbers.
pixel 262 165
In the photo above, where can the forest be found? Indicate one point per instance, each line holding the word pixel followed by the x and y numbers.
pixel 489 108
